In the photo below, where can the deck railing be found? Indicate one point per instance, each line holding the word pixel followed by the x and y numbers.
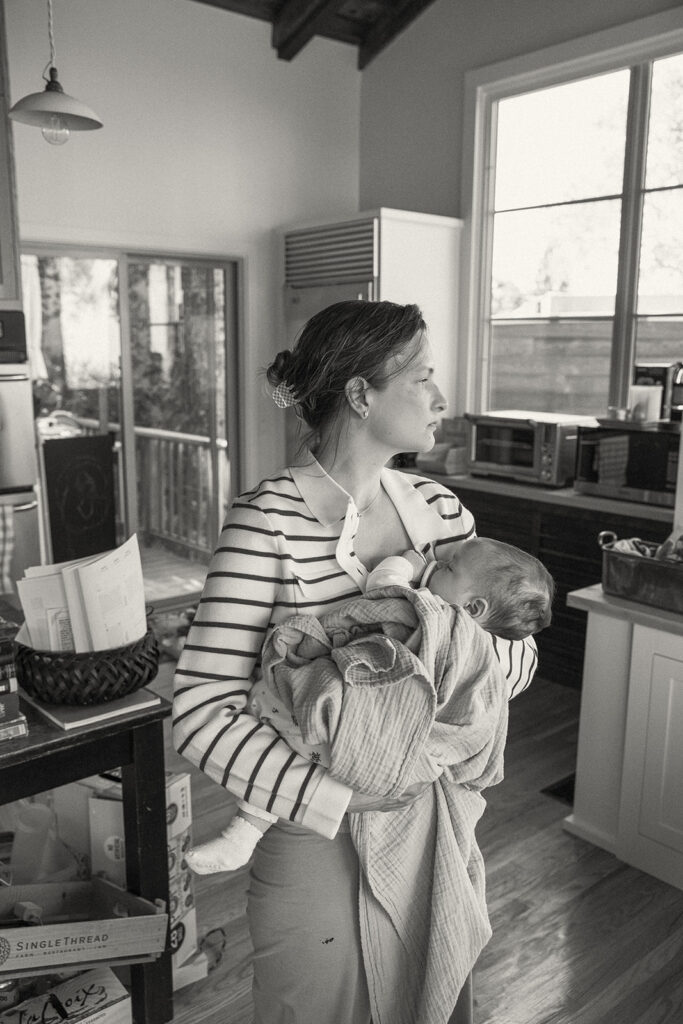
pixel 183 483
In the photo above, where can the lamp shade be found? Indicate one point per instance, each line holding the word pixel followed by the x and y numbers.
pixel 39 108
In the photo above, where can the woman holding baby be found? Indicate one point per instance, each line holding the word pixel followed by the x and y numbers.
pixel 332 944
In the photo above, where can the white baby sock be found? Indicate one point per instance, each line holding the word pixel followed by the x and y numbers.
pixel 231 849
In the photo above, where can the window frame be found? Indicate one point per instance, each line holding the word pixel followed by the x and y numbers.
pixel 632 45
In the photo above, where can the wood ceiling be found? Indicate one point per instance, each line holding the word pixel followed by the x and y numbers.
pixel 368 24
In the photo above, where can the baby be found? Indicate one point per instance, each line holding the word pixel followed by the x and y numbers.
pixel 506 590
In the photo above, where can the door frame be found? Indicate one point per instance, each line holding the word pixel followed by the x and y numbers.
pixel 234 268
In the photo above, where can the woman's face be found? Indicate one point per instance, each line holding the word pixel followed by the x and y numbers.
pixel 404 414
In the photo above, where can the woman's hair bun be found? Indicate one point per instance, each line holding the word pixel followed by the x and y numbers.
pixel 278 369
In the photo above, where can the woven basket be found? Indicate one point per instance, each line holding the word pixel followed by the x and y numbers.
pixel 93 677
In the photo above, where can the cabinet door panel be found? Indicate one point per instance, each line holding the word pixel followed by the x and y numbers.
pixel 651 810
pixel 661 810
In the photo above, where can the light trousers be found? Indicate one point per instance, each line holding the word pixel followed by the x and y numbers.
pixel 303 918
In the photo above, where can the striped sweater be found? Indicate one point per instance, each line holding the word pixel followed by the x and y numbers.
pixel 287 547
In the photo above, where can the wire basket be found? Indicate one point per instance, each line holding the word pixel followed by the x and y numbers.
pixel 641 577
pixel 90 677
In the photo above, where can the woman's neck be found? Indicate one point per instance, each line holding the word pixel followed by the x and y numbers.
pixel 355 469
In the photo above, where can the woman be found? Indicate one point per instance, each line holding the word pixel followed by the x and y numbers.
pixel 361 376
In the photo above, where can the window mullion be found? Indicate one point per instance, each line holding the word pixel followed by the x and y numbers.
pixel 624 331
pixel 128 463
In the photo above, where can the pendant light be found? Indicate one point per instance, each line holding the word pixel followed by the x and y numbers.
pixel 52 110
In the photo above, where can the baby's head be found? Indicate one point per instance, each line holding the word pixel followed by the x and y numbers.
pixel 507 590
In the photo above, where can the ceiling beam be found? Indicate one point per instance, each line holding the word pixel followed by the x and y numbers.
pixel 252 8
pixel 298 21
pixel 388 27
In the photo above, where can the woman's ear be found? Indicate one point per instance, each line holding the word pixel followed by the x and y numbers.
pixel 476 607
pixel 355 395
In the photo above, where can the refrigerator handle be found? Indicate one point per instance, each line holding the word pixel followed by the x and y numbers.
pixel 12 376
pixel 27 507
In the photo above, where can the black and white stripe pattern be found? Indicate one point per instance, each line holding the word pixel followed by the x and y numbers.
pixel 279 554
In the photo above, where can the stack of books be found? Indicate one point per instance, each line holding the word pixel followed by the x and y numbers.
pixel 12 720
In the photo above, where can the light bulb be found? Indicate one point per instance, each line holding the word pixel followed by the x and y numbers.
pixel 58 133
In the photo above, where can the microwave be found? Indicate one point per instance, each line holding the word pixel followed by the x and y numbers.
pixel 531 447
pixel 629 462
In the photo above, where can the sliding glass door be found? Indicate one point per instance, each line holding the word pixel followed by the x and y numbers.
pixel 143 347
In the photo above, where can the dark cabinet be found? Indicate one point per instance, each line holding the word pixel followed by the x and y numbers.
pixel 564 535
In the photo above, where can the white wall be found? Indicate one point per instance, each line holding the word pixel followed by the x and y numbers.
pixel 209 144
pixel 412 94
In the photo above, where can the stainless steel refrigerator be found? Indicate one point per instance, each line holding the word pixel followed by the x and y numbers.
pixel 19 490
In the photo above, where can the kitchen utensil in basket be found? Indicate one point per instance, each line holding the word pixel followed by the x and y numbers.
pixel 90 677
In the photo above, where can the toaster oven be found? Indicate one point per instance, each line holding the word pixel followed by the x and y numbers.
pixel 531 447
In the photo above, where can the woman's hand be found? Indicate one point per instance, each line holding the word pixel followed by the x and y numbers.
pixel 360 802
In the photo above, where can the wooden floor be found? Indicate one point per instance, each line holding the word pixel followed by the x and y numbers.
pixel 579 937
pixel 170 581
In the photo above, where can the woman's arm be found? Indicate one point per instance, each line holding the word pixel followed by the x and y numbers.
pixel 211 726
pixel 519 659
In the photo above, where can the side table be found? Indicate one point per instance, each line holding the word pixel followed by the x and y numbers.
pixel 49 757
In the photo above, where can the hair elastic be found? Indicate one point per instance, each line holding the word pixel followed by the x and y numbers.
pixel 283 396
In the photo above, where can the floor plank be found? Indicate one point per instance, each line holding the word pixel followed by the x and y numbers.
pixel 578 937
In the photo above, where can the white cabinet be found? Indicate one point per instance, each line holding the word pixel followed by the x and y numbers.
pixel 629 775
pixel 651 811
pixel 10 281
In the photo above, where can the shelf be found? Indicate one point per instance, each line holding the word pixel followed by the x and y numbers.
pixel 49 758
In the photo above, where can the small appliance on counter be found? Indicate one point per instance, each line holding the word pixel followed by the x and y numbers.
pixel 670 377
pixel 531 447
pixel 629 461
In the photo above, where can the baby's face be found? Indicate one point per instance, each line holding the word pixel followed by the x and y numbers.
pixel 457 581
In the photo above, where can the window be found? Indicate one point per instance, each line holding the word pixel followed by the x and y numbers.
pixel 143 348
pixel 575 268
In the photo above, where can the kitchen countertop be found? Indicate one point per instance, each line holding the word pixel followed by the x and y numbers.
pixel 565 497
pixel 594 599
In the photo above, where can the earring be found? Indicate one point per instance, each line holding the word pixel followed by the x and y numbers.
pixel 365 413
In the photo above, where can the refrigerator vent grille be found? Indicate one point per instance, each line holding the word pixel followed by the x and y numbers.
pixel 333 253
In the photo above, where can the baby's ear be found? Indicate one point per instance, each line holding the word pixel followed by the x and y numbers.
pixel 476 607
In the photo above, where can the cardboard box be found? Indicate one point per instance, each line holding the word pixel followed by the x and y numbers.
pixel 95 997
pixel 107 840
pixel 184 938
pixel 177 849
pixel 70 804
pixel 107 837
pixel 83 922
pixel 178 803
pixel 180 894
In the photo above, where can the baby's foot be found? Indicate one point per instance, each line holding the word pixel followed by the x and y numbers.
pixel 228 851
